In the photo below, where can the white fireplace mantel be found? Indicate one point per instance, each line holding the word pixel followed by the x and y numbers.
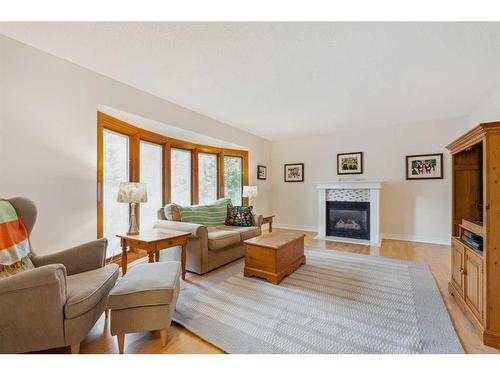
pixel 374 195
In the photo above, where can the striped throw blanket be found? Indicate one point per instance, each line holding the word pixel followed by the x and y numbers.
pixel 14 245
pixel 211 215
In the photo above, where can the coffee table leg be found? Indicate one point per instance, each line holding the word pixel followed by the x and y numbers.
pixel 157 256
pixel 151 257
pixel 183 261
pixel 124 259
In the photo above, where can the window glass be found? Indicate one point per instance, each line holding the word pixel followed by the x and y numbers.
pixel 207 177
pixel 233 179
pixel 151 173
pixel 180 171
pixel 115 170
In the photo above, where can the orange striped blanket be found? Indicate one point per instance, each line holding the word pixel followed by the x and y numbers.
pixel 14 244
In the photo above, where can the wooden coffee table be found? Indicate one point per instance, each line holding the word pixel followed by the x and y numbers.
pixel 273 256
pixel 153 241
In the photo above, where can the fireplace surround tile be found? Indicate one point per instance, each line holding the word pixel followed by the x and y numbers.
pixel 348 195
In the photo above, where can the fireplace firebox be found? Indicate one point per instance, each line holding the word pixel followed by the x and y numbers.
pixel 348 219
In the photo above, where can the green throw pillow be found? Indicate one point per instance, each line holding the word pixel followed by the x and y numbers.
pixel 211 215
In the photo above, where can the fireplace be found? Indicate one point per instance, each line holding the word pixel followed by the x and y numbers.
pixel 348 219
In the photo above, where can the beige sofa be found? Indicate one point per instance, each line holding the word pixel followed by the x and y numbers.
pixel 211 247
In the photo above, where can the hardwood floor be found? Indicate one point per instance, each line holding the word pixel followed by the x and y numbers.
pixel 181 340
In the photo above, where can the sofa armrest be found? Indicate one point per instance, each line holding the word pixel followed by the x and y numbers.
pixel 196 230
pixel 257 219
pixel 31 307
pixel 78 259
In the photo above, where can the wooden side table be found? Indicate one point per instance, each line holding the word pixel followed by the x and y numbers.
pixel 268 219
pixel 153 241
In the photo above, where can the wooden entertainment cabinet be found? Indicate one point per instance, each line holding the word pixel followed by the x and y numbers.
pixel 475 274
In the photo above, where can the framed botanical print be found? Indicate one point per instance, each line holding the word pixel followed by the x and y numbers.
pixel 261 172
pixel 424 167
pixel 294 172
pixel 350 163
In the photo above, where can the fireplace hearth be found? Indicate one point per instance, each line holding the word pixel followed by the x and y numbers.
pixel 348 219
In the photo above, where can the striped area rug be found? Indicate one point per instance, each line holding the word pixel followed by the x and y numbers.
pixel 336 303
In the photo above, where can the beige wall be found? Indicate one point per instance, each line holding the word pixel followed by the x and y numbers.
pixel 488 109
pixel 48 138
pixel 413 210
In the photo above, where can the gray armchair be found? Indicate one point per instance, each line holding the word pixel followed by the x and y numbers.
pixel 57 303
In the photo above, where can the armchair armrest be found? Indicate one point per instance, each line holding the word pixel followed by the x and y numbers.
pixel 32 309
pixel 78 259
pixel 196 230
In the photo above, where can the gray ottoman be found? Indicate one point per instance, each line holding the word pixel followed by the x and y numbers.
pixel 144 300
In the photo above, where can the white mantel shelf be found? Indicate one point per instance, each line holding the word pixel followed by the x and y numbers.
pixel 372 186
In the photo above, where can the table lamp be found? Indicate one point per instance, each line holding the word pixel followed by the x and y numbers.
pixel 249 192
pixel 132 193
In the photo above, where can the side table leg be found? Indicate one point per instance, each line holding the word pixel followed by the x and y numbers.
pixel 151 257
pixel 183 261
pixel 124 259
pixel 271 226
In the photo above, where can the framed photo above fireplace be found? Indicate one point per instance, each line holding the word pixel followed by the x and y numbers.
pixel 261 172
pixel 350 163
pixel 294 172
pixel 424 167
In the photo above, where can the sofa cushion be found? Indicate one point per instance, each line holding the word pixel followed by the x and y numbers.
pixel 86 289
pixel 208 215
pixel 146 284
pixel 172 212
pixel 245 232
pixel 218 239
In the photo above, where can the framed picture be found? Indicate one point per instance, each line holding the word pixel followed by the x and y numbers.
pixel 424 167
pixel 294 172
pixel 261 172
pixel 350 163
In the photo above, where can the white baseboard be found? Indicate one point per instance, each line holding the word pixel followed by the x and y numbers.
pixel 294 227
pixel 413 238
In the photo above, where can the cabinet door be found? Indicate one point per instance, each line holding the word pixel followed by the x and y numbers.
pixel 474 282
pixel 457 265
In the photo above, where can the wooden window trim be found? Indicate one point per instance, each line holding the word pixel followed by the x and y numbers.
pixel 136 135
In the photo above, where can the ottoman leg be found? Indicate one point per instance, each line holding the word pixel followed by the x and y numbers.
pixel 163 337
pixel 121 342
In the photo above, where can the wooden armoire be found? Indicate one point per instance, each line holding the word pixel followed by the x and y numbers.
pixel 475 264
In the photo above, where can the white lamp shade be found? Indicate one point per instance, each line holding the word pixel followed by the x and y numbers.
pixel 250 191
pixel 132 192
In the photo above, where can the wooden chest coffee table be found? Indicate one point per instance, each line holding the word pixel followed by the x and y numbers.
pixel 274 255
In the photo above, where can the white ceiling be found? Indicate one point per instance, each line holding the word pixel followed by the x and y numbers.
pixel 285 80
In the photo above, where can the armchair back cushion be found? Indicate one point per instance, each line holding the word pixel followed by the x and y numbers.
pixel 208 215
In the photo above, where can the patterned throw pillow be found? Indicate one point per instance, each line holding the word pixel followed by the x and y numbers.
pixel 172 212
pixel 239 216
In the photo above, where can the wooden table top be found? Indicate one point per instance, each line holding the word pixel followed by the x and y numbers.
pixel 154 235
pixel 274 240
pixel 267 216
